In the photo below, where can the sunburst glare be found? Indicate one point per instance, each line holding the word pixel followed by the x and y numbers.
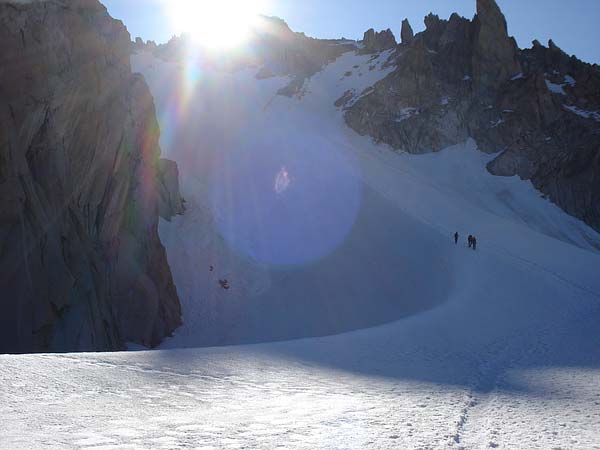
pixel 213 24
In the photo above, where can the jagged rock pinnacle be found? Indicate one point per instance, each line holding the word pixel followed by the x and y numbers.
pixel 495 58
pixel 407 35
pixel 377 42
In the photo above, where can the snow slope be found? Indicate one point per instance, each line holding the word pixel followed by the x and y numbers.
pixel 319 231
pixel 453 377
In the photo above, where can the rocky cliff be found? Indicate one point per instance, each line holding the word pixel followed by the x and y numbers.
pixel 377 41
pixel 81 185
pixel 538 108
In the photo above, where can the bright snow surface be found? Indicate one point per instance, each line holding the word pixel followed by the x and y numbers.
pixel 320 231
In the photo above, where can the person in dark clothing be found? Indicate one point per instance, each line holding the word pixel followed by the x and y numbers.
pixel 224 284
pixel 470 239
pixel 474 243
pixel 456 237
pixel 211 268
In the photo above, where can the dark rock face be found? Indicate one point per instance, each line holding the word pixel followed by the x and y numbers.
pixel 495 53
pixel 170 203
pixel 375 42
pixel 553 136
pixel 406 34
pixel 461 79
pixel 417 108
pixel 81 184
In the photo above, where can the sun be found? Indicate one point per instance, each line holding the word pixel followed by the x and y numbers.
pixel 215 24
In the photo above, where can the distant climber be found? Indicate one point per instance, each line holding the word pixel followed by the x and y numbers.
pixel 470 239
pixel 224 284
pixel 474 240
pixel 211 268
pixel 456 237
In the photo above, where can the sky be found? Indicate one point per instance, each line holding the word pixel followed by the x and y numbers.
pixel 573 25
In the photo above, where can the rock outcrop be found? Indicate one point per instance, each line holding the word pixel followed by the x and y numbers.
pixel 280 51
pixel 139 45
pixel 170 202
pixel 375 42
pixel 406 33
pixel 495 57
pixel 552 135
pixel 81 183
pixel 459 78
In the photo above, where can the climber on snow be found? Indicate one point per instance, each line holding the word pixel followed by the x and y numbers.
pixel 456 237
pixel 470 239
pixel 224 284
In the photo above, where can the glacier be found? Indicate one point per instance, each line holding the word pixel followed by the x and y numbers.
pixel 353 320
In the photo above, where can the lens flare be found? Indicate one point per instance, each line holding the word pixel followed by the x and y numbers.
pixel 282 181
pixel 212 24
pixel 282 199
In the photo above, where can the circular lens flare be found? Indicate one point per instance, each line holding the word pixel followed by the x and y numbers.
pixel 282 181
pixel 284 199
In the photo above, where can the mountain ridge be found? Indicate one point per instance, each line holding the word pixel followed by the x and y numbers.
pixel 468 79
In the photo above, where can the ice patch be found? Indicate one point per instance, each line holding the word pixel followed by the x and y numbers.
pixel 555 88
pixel 495 123
pixel 406 113
pixel 593 115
